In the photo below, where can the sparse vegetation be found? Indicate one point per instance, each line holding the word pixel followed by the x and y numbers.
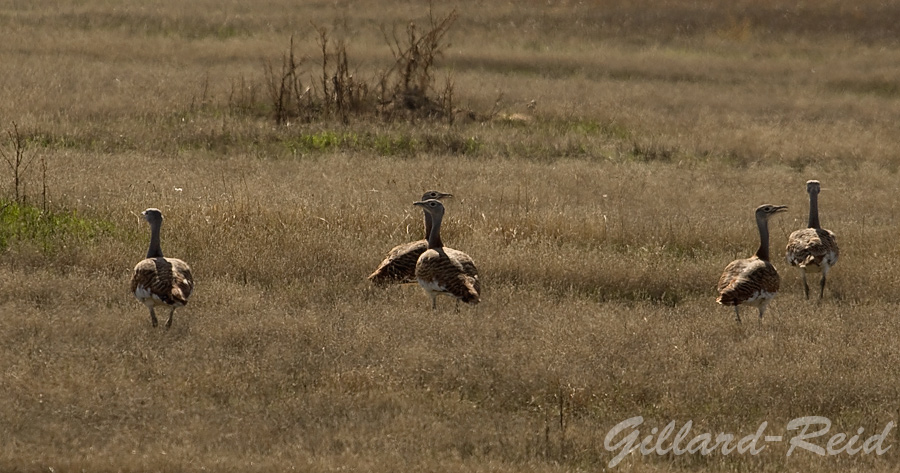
pixel 404 90
pixel 600 196
pixel 17 160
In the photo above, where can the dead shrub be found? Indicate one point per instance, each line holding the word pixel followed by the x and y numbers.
pixel 408 86
pixel 289 98
pixel 405 90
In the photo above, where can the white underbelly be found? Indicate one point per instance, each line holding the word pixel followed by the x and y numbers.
pixel 432 287
pixel 759 297
pixel 150 299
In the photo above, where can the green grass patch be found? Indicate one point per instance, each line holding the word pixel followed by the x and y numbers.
pixel 383 144
pixel 610 129
pixel 386 145
pixel 587 128
pixel 48 230
pixel 321 142
pixel 452 143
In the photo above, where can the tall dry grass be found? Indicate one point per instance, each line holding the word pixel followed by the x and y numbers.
pixel 600 222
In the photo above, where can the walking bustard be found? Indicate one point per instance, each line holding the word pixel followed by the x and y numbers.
pixel 813 249
pixel 752 281
pixel 160 281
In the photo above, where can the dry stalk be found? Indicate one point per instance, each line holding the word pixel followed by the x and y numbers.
pixel 18 162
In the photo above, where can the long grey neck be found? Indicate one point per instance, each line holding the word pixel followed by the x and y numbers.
pixel 763 251
pixel 434 236
pixel 813 210
pixel 155 251
pixel 427 224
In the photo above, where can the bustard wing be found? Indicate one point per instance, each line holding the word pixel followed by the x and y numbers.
pixel 182 280
pixel 746 279
pixel 812 247
pixel 167 280
pixel 451 271
pixel 400 264
pixel 468 266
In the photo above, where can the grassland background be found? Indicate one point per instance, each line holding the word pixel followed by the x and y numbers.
pixel 600 223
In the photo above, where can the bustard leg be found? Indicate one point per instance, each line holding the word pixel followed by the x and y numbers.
pixel 762 310
pixel 153 320
pixel 433 302
pixel 169 322
pixel 822 283
pixel 737 314
pixel 805 285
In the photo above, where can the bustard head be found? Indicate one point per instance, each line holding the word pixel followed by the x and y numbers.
pixel 435 195
pixel 813 187
pixel 433 207
pixel 152 216
pixel 763 212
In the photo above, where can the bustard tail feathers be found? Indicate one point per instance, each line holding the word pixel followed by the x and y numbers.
pixel 728 298
pixel 471 294
pixel 810 260
pixel 178 294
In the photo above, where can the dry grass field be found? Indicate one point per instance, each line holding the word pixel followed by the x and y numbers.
pixel 600 219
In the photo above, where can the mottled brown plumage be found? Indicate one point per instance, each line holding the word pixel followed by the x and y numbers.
pixel 748 281
pixel 400 264
pixel 752 281
pixel 160 281
pixel 442 270
pixel 813 249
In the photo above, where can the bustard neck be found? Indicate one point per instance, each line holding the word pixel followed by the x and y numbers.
pixel 154 251
pixel 813 210
pixel 434 236
pixel 427 224
pixel 763 251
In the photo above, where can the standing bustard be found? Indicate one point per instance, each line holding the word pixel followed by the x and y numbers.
pixel 442 270
pixel 752 281
pixel 813 249
pixel 400 264
pixel 160 281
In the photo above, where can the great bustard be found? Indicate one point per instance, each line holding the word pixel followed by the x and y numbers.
pixel 400 264
pixel 442 270
pixel 752 281
pixel 160 281
pixel 813 249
